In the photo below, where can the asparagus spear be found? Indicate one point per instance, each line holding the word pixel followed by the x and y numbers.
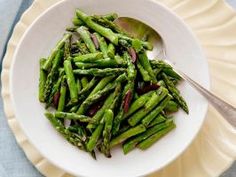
pixel 131 143
pixel 108 119
pixel 152 103
pixel 102 44
pixel 47 65
pixel 111 50
pixel 143 59
pixel 94 98
pixel 152 139
pixel 97 96
pixel 55 91
pixel 102 83
pixel 84 81
pixel 100 72
pixel 52 74
pixel 71 81
pixel 62 98
pixel 73 116
pixel 102 63
pixel 159 119
pixel 146 121
pixel 175 93
pixel 166 68
pixel 106 32
pixel 77 22
pixel 129 133
pixel 42 80
pixel 171 106
pixel 85 35
pixel 94 138
pixel 98 116
pixel 90 57
pixel 70 137
pixel 79 85
pixel 107 23
pixel 118 118
pixel 110 16
pixel 137 104
pixel 143 72
pixel 85 91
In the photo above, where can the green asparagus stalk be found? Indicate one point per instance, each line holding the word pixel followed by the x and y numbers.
pixel 79 85
pixel 55 89
pixel 84 81
pixel 94 98
pixel 146 121
pixel 98 95
pixel 102 83
pixel 71 81
pixel 73 116
pixel 47 65
pixel 152 139
pixel 90 57
pixel 175 93
pixel 129 133
pixel 77 22
pixel 143 59
pixel 62 98
pixel 85 91
pixel 52 74
pixel 42 80
pixel 82 48
pixel 159 119
pixel 98 116
pixel 102 44
pixel 120 60
pixel 171 106
pixel 131 143
pixel 94 138
pixel 110 16
pixel 152 103
pixel 100 72
pixel 107 23
pixel 119 117
pixel 137 104
pixel 103 63
pixel 85 35
pixel 166 68
pixel 70 137
pixel 143 72
pixel 111 50
pixel 106 32
pixel 108 119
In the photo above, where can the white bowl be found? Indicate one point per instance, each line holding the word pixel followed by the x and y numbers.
pixel 182 48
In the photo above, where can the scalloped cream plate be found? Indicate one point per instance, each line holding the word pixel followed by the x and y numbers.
pixel 42 35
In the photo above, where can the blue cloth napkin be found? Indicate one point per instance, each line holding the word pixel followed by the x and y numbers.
pixel 13 162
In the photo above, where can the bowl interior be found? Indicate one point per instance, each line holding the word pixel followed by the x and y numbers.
pixel 42 36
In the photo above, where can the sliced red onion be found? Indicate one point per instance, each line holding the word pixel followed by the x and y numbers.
pixel 94 109
pixel 147 88
pixel 132 54
pixel 67 123
pixel 95 40
pixel 127 101
pixel 56 98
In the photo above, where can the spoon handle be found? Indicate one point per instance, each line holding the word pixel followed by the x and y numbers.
pixel 225 109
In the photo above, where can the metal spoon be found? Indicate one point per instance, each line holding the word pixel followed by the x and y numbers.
pixel 142 31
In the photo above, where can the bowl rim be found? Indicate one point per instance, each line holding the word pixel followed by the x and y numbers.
pixel 197 42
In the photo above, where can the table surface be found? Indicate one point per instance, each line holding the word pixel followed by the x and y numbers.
pixel 13 162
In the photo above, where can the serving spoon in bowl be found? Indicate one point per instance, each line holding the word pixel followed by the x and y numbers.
pixel 140 30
